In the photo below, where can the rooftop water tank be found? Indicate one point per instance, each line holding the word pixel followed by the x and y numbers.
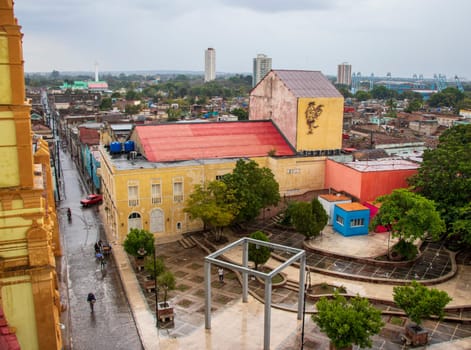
pixel 129 146
pixel 115 147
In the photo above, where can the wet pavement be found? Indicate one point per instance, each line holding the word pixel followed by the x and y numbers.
pixel 434 262
pixel 188 300
pixel 111 325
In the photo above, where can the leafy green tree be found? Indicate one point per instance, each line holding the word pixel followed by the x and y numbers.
pixel 106 104
pixel 137 239
pixel 419 302
pixel 132 95
pixel 445 175
pixel 391 104
pixel 241 113
pixel 166 281
pixel 215 204
pixel 131 109
pixel 154 269
pixel 348 322
pixel 361 95
pixel 258 254
pixel 414 105
pixel 254 188
pixel 307 218
pixel 461 227
pixel 380 92
pixel 449 97
pixel 409 215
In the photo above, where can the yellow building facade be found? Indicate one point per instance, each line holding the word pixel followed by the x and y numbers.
pixel 153 198
pixel 29 231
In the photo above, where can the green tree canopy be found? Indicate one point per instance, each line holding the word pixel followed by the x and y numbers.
pixel 254 188
pixel 241 113
pixel 445 174
pixel 307 218
pixel 419 302
pixel 449 97
pixel 348 322
pixel 154 267
pixel 361 95
pixel 461 227
pixel 132 109
pixel 138 239
pixel 410 215
pixel 166 281
pixel 258 254
pixel 215 204
pixel 106 104
pixel 414 105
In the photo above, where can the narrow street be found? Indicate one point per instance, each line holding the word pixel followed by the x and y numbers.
pixel 111 325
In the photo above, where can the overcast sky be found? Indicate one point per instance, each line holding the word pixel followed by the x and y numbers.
pixel 404 37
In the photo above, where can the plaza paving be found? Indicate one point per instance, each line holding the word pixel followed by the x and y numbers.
pixel 240 325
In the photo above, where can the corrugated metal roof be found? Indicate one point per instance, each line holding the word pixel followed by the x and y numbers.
pixel 179 142
pixel 304 83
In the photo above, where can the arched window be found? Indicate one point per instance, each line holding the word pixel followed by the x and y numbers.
pixel 134 221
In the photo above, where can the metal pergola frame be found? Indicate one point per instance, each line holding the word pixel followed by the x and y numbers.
pixel 299 254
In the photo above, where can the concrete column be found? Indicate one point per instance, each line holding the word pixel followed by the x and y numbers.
pixel 245 279
pixel 302 283
pixel 267 323
pixel 207 287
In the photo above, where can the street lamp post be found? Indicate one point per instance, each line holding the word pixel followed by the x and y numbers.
pixel 307 287
pixel 156 293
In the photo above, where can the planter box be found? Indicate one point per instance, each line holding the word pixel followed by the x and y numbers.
pixel 165 312
pixel 139 264
pixel 149 285
pixel 416 336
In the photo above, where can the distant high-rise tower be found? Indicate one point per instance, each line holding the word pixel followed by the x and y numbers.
pixel 344 74
pixel 209 64
pixel 261 66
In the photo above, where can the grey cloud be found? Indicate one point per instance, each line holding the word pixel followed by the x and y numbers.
pixel 271 6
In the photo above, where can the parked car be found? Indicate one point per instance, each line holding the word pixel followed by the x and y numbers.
pixel 92 199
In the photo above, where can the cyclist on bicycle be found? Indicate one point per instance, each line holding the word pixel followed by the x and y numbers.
pixel 91 300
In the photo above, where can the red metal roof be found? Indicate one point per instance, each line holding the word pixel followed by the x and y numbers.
pixel 181 141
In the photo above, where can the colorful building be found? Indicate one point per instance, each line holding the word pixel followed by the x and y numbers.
pixel 29 231
pixel 329 201
pixel 147 187
pixel 351 219
pixel 367 180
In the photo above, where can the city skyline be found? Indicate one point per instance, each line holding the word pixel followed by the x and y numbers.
pixel 402 37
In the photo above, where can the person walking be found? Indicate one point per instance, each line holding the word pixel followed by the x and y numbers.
pixel 221 274
pixel 91 300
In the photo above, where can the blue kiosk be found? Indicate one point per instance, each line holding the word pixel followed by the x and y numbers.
pixel 351 219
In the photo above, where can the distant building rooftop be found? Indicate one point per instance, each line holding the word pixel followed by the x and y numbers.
pixel 382 165
pixel 304 83
pixel 334 197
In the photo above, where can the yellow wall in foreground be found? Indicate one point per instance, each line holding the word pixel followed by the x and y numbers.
pixel 327 128
pixel 18 304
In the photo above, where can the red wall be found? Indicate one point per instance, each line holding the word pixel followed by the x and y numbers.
pixel 366 186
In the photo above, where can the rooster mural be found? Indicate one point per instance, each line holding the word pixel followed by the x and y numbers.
pixel 312 113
